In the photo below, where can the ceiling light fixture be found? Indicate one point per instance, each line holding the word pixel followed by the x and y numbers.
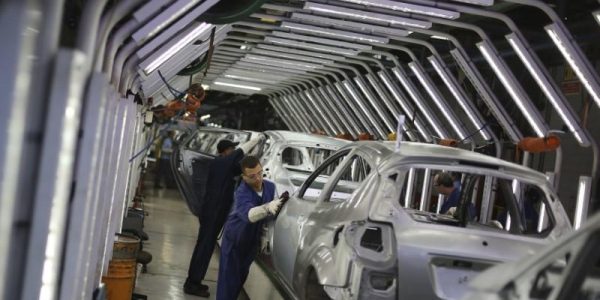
pixel 412 91
pixel 511 85
pixel 408 110
pixel 486 94
pixel 409 8
pixel 253 79
pixel 437 99
pixel 477 2
pixel 239 86
pixel 597 16
pixel 334 33
pixel 186 40
pixel 343 24
pixel 366 16
pixel 311 46
pixel 452 85
pixel 439 37
pixel 575 60
pixel 551 93
pixel 354 94
pixel 162 20
pixel 324 41
pixel 309 55
pixel 292 56
pixel 293 63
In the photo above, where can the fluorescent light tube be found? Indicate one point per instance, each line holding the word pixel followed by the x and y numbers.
pixel 437 99
pixel 575 60
pixel 324 41
pixel 239 86
pixel 372 102
pixel 485 92
pixel 439 37
pixel 408 110
pixel 452 85
pixel 354 94
pixel 282 61
pixel 412 91
pixel 264 68
pixel 309 55
pixel 192 35
pixel 409 188
pixel 167 16
pixel 293 56
pixel 366 16
pixel 349 25
pixel 596 15
pixel 334 33
pixel 280 65
pixel 583 197
pixel 253 79
pixel 311 46
pixel 542 220
pixel 409 8
pixel 511 85
pixel 548 89
pixel 477 2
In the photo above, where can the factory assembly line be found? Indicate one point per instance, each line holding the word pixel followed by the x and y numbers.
pixel 299 149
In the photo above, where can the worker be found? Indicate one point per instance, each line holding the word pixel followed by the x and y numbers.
pixel 163 171
pixel 218 200
pixel 450 186
pixel 241 237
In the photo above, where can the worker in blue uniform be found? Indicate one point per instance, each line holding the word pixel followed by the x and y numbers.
pixel 218 200
pixel 451 188
pixel 253 205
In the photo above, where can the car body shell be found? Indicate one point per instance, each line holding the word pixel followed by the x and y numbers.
pixel 546 274
pixel 201 145
pixel 418 260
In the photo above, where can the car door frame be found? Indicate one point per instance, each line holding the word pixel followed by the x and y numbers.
pixel 289 224
pixel 310 256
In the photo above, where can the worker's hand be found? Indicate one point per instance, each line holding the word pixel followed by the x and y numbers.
pixel 451 210
pixel 274 206
pixel 262 137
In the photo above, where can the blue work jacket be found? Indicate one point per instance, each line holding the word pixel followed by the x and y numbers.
pixel 238 229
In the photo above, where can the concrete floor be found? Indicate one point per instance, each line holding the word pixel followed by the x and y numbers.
pixel 172 232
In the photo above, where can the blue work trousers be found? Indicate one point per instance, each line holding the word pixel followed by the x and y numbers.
pixel 210 226
pixel 234 266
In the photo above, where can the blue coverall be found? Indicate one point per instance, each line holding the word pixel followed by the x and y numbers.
pixel 218 201
pixel 453 200
pixel 241 240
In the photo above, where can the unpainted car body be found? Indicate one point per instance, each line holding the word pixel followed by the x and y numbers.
pixel 358 228
pixel 568 269
pixel 287 157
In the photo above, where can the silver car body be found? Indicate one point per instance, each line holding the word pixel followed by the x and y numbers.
pixel 569 269
pixel 287 157
pixel 354 239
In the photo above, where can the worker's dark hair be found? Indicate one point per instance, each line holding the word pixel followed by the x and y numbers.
pixel 249 162
pixel 445 179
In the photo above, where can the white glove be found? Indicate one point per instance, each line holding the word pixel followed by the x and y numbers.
pixel 247 146
pixel 274 206
pixel 451 210
pixel 258 213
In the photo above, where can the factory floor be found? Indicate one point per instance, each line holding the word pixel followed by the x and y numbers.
pixel 172 232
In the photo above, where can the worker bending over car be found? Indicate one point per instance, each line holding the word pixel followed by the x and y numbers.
pixel 253 205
